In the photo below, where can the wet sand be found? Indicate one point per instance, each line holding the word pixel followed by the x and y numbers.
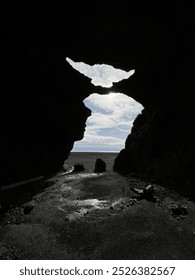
pixel 97 216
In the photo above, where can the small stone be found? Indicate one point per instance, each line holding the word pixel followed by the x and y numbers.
pixel 179 210
pixel 132 203
pixel 78 167
pixel 137 191
pixel 150 188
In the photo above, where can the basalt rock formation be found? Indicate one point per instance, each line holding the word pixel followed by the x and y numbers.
pixel 42 110
pixel 100 166
pixel 161 141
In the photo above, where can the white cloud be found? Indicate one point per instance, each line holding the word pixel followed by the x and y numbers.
pixel 93 141
pixel 111 121
pixel 117 103
pixel 101 74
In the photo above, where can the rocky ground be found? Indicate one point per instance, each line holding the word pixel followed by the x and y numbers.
pixel 98 216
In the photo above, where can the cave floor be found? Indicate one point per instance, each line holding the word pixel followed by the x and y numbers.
pixel 97 216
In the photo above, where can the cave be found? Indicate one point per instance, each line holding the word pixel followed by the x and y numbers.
pixel 39 89
pixel 43 113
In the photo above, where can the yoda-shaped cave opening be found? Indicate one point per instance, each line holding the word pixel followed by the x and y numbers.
pixel 112 114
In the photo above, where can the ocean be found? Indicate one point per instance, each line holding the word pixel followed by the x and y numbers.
pixel 88 159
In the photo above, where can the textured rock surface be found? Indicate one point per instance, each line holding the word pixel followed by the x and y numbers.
pixel 160 145
pixel 42 113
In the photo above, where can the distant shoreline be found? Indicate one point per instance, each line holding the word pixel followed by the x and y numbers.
pixel 88 159
pixel 97 152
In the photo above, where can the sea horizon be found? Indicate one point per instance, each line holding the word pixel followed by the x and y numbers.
pixel 113 152
pixel 88 159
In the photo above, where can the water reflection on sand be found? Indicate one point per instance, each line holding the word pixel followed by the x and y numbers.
pixel 72 200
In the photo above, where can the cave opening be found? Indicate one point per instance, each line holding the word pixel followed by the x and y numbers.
pixel 103 75
pixel 113 113
pixel 111 121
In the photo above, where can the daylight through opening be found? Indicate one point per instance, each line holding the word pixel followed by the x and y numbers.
pixel 112 114
pixel 101 74
pixel 111 121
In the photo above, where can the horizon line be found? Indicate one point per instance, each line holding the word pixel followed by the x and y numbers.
pixel 95 151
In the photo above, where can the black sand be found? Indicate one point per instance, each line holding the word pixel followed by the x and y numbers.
pixel 97 216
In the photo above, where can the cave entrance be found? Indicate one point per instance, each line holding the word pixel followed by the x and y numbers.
pixel 110 123
pixel 112 114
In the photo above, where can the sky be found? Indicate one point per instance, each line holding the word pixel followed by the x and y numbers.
pixel 101 74
pixel 112 114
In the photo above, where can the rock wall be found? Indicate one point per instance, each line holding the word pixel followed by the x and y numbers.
pixel 42 110
pixel 161 145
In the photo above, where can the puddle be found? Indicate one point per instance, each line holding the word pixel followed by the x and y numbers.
pixel 88 203
pixel 77 214
pixel 82 176
pixel 69 200
pixel 98 204
pixel 117 202
pixel 76 209
pixel 69 176
pixel 68 169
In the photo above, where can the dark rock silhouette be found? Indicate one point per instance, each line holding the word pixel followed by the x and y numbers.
pixel 123 161
pixel 179 210
pixel 42 111
pixel 78 167
pixel 28 209
pixel 147 193
pixel 100 166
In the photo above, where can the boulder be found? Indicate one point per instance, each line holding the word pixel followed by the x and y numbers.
pixel 100 166
pixel 78 167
